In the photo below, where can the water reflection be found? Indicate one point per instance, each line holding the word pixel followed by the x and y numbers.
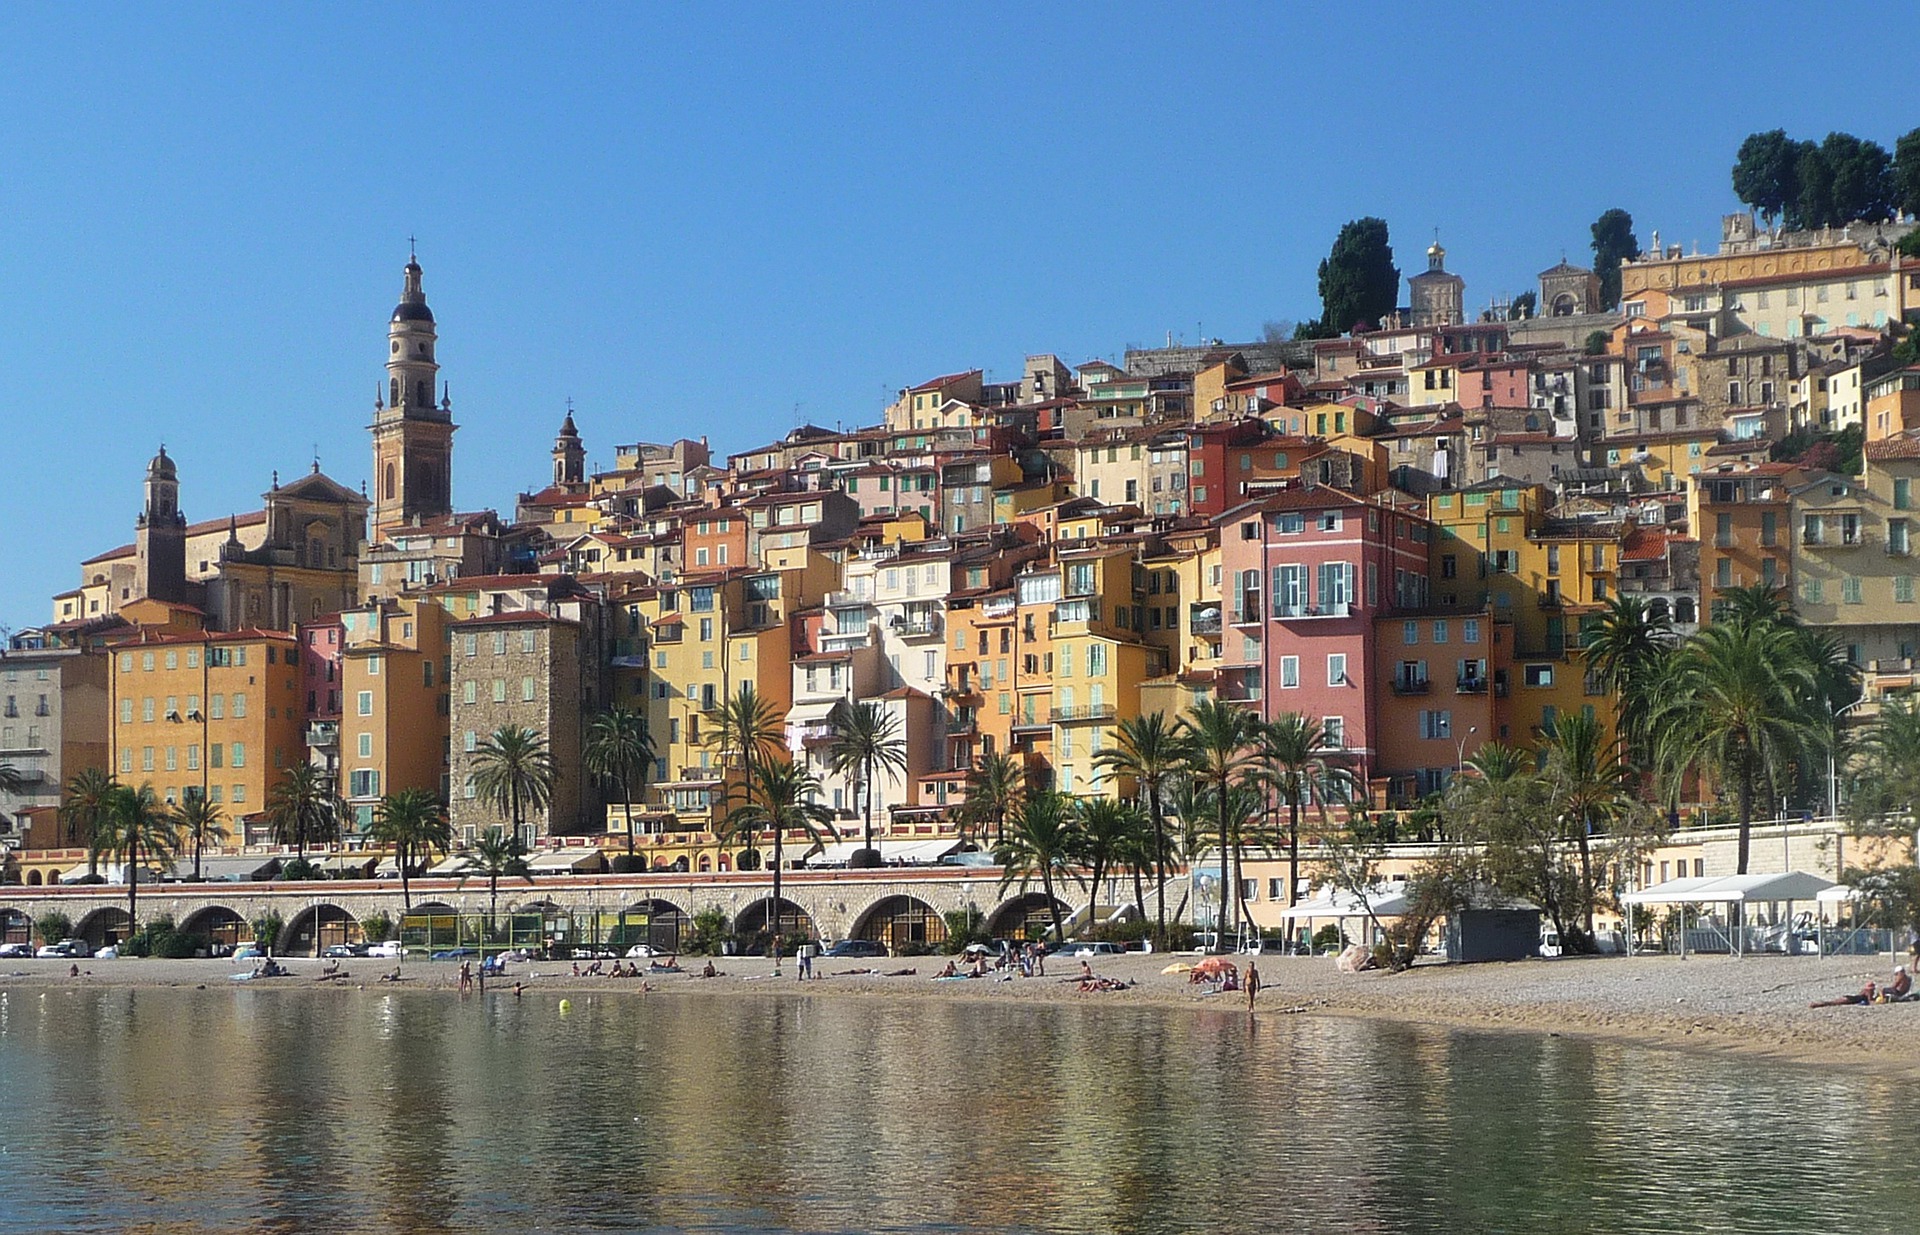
pixel 414 1111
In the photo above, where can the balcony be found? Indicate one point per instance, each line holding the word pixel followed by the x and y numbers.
pixel 916 625
pixel 323 733
pixel 1411 686
pixel 1470 686
pixel 1076 611
pixel 1552 600
pixel 848 600
pixel 1085 711
pixel 813 734
pixel 1247 613
pixel 1204 619
pixel 1326 609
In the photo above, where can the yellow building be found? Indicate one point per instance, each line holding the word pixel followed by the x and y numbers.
pixel 219 713
pixel 394 671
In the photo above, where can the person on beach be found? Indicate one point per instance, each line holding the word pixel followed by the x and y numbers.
pixel 73 971
pixel 1253 984
pixel 466 976
pixel 709 971
pixel 1899 988
pixel 1039 961
pixel 1868 994
pixel 951 971
pixel 1086 971
pixel 805 968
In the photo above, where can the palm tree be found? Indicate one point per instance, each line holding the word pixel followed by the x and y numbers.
pixel 995 786
pixel 1040 840
pixel 1220 737
pixel 303 810
pixel 1152 750
pixel 1588 784
pixel 1734 703
pixel 134 823
pixel 866 740
pixel 86 800
pixel 415 823
pixel 198 821
pixel 1303 762
pixel 780 795
pixel 1886 783
pixel 493 857
pixel 1625 653
pixel 513 772
pixel 1109 831
pixel 747 725
pixel 10 779
pixel 619 751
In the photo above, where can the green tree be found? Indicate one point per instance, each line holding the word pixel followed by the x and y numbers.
pixel 80 812
pixel 619 752
pixel 1862 186
pixel 1501 807
pixel 1041 841
pixel 1597 342
pixel 415 823
pixel 514 772
pixel 1884 781
pixel 1302 761
pixel 1589 785
pixel 995 784
pixel 134 826
pixel 1765 174
pixel 1359 284
pixel 1625 652
pixel 866 742
pixel 1152 751
pixel 1613 243
pixel 199 823
pixel 1906 173
pixel 778 796
pixel 53 926
pixel 493 857
pixel 1221 755
pixel 1109 832
pixel 303 810
pixel 1733 705
pixel 1523 306
pixel 1813 199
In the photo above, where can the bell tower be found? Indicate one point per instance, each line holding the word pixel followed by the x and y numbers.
pixel 569 456
pixel 412 435
pixel 160 536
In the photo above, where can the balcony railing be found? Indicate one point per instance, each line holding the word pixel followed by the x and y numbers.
pixel 1205 622
pixel 1411 686
pixel 1470 686
pixel 1085 711
pixel 323 733
pixel 1326 609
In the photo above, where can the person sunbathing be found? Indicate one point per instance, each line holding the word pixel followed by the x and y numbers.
pixel 708 972
pixel 951 971
pixel 1867 995
pixel 1899 988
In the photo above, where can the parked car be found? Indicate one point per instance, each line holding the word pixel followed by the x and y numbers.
pixel 16 950
pixel 109 953
pixel 851 948
pixel 77 949
pixel 388 951
pixel 345 950
pixel 643 951
pixel 454 954
pixel 249 952
pixel 1097 949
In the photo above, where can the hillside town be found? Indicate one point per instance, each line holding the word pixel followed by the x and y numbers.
pixel 1406 534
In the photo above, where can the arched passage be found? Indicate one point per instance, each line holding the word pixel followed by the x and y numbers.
pixel 794 922
pixel 662 925
pixel 1025 917
pixel 33 878
pixel 904 924
pixel 15 927
pixel 104 926
pixel 215 927
pixel 317 928
pixel 430 926
pixel 555 928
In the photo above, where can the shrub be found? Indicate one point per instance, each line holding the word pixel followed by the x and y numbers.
pixel 159 937
pixel 1326 937
pixel 267 928
pixel 300 869
pixel 709 931
pixel 629 864
pixel 377 927
pixel 964 926
pixel 915 947
pixel 53 926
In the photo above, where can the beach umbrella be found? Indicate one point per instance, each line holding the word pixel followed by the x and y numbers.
pixel 1215 966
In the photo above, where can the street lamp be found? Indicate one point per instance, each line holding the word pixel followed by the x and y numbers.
pixel 1833 769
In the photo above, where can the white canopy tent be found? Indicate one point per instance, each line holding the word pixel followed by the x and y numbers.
pixel 892 853
pixel 1386 901
pixel 1781 888
pixel 565 861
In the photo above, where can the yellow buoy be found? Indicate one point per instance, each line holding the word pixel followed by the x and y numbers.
pixel 566 1006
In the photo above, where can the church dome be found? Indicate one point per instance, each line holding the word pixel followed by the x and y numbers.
pixel 162 466
pixel 404 312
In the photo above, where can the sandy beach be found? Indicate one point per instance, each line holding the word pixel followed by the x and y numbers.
pixel 1756 1005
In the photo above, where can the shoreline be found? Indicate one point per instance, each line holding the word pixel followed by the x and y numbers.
pixel 1754 1007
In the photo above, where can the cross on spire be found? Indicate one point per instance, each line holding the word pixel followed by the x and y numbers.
pixel 410 244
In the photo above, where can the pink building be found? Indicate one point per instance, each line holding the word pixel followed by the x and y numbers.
pixel 320 645
pixel 1305 572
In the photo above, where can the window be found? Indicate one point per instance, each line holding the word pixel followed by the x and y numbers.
pixel 216 755
pixel 1850 590
pixel 363 783
pixel 373 666
pixel 499 690
pixel 1539 675
pixel 146 708
pixel 1337 669
pixel 469 692
pixel 1290 523
pixel 526 690
pixel 470 644
pixel 126 711
pixel 1470 630
pixel 529 640
pixel 239 704
pixel 1440 632
pixel 1410 633
pixel 1436 724
pixel 1289 671
pixel 1334 732
pixel 366 746
pixel 239 758
pixel 1903 589
pixel 365 703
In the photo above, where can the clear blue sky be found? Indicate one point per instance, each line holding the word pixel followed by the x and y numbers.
pixel 698 219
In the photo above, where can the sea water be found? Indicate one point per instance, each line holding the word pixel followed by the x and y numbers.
pixel 379 1110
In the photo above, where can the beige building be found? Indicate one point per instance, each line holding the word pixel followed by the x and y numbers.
pixel 53 719
pixel 520 667
pixel 394 702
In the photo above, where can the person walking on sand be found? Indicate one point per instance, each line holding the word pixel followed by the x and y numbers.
pixel 466 976
pixel 1253 984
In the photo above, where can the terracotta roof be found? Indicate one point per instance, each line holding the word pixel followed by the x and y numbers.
pixel 946 380
pixel 1645 544
pixel 1894 448
pixel 515 617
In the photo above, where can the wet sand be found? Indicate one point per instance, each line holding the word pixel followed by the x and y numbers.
pixel 1755 1006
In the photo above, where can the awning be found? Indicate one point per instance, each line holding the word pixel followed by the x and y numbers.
pixel 1385 902
pixel 451 866
pixel 344 864
pixel 112 872
pixel 1724 889
pixel 562 861
pixel 1840 894
pixel 892 853
pixel 810 713
pixel 229 870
